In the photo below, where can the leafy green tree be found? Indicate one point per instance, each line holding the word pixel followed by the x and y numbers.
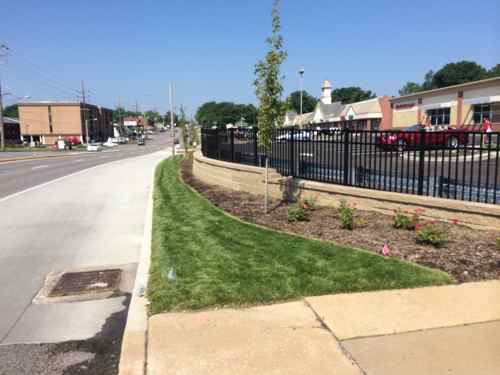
pixel 153 115
pixel 352 94
pixel 11 111
pixel 308 102
pixel 220 114
pixel 268 86
pixel 167 118
pixel 494 72
pixel 410 88
pixel 457 73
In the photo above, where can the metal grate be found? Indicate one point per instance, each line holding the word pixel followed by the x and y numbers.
pixel 75 283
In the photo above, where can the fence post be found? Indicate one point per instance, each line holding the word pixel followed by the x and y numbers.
pixel 346 157
pixel 255 148
pixel 421 162
pixel 231 132
pixel 291 156
pixel 217 143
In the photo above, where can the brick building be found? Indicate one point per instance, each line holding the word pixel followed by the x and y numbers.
pixel 44 122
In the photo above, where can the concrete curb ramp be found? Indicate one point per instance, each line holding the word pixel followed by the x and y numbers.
pixel 434 330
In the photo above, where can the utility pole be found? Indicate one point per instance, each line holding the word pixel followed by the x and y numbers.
pixel 2 127
pixel 85 119
pixel 172 133
pixel 301 72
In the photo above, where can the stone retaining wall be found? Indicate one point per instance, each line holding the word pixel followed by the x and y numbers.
pixel 251 179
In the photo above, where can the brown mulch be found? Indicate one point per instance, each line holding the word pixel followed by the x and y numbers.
pixel 469 255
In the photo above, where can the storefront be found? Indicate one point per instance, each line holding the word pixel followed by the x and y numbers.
pixel 465 105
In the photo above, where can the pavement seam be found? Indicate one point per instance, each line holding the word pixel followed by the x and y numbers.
pixel 344 350
pixel 18 319
pixel 421 330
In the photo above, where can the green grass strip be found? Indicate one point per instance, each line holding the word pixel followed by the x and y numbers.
pixel 220 261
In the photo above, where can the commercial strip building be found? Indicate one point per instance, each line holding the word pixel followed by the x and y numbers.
pixel 464 105
pixel 45 122
pixel 371 114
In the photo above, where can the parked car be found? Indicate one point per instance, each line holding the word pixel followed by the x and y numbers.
pixel 410 137
pixel 297 136
pixel 93 147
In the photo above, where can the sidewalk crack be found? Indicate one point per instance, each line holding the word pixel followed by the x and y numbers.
pixel 344 350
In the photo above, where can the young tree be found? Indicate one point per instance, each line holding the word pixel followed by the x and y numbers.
pixel 268 86
pixel 11 111
pixel 494 72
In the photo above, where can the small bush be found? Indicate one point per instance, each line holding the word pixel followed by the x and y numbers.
pixel 403 221
pixel 432 234
pixel 297 213
pixel 346 215
pixel 309 203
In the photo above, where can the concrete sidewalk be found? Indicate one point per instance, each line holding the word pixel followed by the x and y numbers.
pixel 435 330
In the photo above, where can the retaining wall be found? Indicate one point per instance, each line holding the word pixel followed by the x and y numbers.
pixel 251 179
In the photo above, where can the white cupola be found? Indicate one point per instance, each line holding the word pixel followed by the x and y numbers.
pixel 326 93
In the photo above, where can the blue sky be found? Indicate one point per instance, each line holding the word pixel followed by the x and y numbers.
pixel 133 49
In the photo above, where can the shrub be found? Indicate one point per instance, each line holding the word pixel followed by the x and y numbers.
pixel 432 234
pixel 297 213
pixel 403 221
pixel 309 203
pixel 346 215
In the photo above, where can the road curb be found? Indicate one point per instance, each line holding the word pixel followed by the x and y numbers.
pixel 134 343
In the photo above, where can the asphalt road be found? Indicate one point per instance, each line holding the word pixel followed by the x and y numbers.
pixel 20 175
pixel 93 218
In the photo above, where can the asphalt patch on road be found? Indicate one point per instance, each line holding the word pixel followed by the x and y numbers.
pixel 99 355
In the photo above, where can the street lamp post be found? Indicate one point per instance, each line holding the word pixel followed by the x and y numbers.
pixel 301 73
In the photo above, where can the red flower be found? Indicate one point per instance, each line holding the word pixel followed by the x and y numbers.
pixel 455 221
pixel 419 211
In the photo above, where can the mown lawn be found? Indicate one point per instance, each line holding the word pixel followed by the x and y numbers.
pixel 220 261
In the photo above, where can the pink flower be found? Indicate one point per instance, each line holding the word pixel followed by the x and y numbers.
pixel 418 226
pixel 386 249
pixel 419 211
pixel 455 221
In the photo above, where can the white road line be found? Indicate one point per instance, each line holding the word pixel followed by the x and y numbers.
pixel 102 157
pixel 39 167
pixel 79 160
pixel 65 177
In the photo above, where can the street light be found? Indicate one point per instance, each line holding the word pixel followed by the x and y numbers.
pixel 301 73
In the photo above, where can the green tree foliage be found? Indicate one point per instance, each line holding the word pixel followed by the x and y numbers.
pixel 308 102
pixel 167 118
pixel 494 72
pixel 155 116
pixel 11 111
pixel 268 86
pixel 223 113
pixel 457 73
pixel 119 113
pixel 410 88
pixel 451 74
pixel 352 94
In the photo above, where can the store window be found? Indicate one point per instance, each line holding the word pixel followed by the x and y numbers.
pixel 490 110
pixel 440 116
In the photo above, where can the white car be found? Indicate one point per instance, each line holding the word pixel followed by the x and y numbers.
pixel 93 147
pixel 297 136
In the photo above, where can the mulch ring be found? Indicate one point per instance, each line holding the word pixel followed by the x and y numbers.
pixel 469 255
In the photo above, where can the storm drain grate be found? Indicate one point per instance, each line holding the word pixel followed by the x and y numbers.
pixel 74 283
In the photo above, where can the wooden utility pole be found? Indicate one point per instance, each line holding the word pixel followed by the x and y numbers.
pixel 85 119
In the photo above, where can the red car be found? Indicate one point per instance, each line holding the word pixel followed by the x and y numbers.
pixel 411 137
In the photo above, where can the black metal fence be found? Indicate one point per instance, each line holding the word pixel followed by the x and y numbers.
pixel 450 164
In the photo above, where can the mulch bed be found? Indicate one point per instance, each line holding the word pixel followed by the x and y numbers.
pixel 469 255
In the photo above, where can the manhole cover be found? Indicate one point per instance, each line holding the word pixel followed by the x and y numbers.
pixel 74 283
